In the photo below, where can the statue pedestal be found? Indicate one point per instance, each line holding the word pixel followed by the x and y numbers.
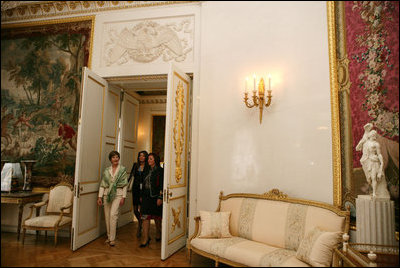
pixel 375 221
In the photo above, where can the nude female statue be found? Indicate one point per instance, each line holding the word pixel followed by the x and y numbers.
pixel 372 163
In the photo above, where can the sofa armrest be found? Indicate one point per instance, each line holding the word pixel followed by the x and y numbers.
pixel 196 230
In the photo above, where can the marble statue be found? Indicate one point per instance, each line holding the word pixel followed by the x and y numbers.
pixel 367 129
pixel 372 162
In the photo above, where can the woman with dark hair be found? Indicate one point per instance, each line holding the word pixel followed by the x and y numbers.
pixel 152 198
pixel 139 170
pixel 112 194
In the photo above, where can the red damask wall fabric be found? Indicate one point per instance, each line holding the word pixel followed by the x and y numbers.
pixel 372 32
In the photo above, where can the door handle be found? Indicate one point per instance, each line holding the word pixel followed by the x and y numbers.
pixel 168 194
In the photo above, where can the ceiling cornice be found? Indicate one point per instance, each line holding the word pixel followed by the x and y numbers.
pixel 19 11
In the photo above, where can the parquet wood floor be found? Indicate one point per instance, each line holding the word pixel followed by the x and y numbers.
pixel 126 253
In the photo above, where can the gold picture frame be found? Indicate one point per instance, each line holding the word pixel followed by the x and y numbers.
pixel 347 178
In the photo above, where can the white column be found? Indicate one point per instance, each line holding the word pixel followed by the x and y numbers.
pixel 375 221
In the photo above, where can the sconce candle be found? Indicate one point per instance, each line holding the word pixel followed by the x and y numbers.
pixel 259 101
pixel 269 82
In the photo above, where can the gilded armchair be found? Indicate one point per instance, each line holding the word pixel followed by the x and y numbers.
pixel 58 213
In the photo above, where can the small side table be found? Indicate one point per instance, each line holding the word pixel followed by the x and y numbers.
pixel 356 255
pixel 21 199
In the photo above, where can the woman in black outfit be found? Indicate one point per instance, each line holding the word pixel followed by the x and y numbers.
pixel 139 171
pixel 152 198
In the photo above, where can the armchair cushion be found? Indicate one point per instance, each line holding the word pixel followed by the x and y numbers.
pixel 47 221
pixel 215 224
pixel 317 246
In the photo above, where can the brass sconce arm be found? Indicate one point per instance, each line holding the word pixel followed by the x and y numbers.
pixel 246 100
pixel 269 96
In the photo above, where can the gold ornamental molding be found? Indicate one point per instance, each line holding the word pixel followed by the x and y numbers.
pixel 179 130
pixel 334 85
pixel 31 10
pixel 343 75
pixel 275 194
pixel 176 221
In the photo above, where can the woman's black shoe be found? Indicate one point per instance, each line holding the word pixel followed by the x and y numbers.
pixel 145 245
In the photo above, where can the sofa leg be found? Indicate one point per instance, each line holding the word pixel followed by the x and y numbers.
pixel 216 263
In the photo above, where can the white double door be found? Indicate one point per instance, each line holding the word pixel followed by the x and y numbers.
pixel 102 129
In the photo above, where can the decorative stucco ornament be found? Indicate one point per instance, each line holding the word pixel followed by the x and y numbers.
pixel 146 42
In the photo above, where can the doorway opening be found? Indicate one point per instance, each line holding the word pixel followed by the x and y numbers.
pixel 152 135
pixel 109 120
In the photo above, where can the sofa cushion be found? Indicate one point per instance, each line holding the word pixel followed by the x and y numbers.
pixel 317 247
pixel 214 224
pixel 247 252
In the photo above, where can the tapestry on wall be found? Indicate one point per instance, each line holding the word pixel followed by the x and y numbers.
pixel 372 48
pixel 40 93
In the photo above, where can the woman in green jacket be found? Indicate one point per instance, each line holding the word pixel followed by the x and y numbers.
pixel 112 194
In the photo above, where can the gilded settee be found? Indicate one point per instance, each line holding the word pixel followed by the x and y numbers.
pixel 266 229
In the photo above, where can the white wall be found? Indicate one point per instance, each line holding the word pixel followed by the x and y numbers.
pixel 291 149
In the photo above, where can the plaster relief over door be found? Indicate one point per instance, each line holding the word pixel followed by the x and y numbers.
pixel 129 123
pixel 174 222
pixel 90 154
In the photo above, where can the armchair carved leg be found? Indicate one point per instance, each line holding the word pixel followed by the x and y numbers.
pixel 37 215
pixel 55 236
pixel 23 235
pixel 20 211
pixel 45 235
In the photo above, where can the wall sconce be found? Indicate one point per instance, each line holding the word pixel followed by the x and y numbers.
pixel 258 100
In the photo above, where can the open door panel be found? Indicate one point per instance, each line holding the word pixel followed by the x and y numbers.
pixel 97 135
pixel 174 223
